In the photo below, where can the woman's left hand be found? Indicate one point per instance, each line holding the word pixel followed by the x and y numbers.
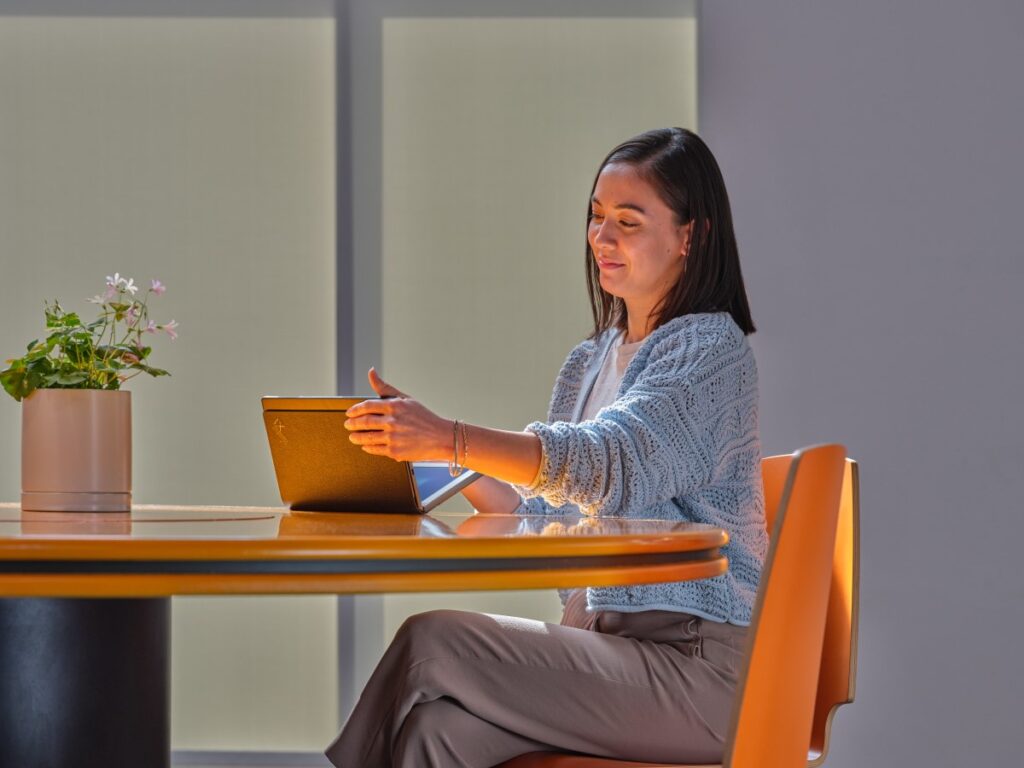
pixel 398 427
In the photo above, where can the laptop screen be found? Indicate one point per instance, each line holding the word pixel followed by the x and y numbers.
pixel 433 480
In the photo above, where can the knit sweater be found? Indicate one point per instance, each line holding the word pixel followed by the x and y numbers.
pixel 680 442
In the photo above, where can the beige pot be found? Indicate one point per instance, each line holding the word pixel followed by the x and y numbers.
pixel 76 451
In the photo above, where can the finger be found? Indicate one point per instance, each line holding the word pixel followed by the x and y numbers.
pixel 371 407
pixel 368 438
pixel 371 422
pixel 381 387
pixel 378 450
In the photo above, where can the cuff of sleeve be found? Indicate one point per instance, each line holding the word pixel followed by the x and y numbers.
pixel 536 486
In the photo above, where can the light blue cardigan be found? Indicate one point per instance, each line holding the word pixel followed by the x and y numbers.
pixel 680 442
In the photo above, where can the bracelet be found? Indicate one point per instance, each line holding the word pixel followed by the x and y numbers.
pixel 453 463
pixel 465 445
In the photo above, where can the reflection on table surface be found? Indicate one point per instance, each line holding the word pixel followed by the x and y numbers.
pixel 209 522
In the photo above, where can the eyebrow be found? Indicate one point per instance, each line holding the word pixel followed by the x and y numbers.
pixel 621 206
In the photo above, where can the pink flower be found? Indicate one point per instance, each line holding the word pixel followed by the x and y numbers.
pixel 157 287
pixel 171 329
pixel 131 316
pixel 150 328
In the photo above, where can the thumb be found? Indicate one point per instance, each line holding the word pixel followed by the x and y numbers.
pixel 381 387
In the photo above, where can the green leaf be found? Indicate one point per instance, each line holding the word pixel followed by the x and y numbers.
pixel 15 383
pixel 62 379
pixel 54 315
pixel 150 369
pixel 40 367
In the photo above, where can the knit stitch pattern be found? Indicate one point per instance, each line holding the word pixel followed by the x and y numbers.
pixel 680 442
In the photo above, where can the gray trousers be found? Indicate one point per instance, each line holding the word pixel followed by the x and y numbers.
pixel 466 690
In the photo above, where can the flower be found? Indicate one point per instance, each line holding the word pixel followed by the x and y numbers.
pixel 150 327
pixel 97 300
pixel 171 329
pixel 118 284
pixel 132 315
pixel 157 287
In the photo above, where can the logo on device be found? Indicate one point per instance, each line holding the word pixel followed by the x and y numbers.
pixel 279 430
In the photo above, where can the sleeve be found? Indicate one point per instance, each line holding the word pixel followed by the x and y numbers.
pixel 651 445
pixel 536 505
pixel 563 399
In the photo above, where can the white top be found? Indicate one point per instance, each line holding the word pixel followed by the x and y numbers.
pixel 606 387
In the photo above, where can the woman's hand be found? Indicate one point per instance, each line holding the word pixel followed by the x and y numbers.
pixel 398 427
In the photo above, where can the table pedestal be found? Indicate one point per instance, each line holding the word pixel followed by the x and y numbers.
pixel 84 682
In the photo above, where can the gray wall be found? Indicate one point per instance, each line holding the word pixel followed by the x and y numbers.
pixel 874 158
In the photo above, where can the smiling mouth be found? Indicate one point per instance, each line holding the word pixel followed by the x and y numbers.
pixel 601 264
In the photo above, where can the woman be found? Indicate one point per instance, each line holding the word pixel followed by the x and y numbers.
pixel 654 416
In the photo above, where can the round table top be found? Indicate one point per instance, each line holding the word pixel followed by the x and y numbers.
pixel 161 550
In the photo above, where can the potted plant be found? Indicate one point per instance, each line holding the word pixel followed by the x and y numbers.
pixel 76 428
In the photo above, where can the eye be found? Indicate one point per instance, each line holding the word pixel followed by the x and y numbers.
pixel 594 216
pixel 629 224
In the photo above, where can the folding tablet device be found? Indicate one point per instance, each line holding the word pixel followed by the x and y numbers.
pixel 318 468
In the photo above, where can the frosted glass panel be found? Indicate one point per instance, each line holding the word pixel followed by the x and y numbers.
pixel 199 151
pixel 492 131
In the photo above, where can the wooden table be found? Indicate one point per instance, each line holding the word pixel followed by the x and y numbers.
pixel 84 659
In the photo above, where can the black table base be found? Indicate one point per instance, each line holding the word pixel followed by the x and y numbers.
pixel 84 682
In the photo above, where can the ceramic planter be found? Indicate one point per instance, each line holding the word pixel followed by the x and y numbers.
pixel 76 451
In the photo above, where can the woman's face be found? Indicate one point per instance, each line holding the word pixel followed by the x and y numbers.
pixel 637 242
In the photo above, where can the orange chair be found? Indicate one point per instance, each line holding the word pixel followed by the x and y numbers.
pixel 839 650
pixel 781 695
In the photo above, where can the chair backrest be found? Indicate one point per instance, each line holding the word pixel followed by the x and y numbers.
pixel 776 696
pixel 836 678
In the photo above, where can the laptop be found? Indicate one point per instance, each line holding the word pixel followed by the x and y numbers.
pixel 319 469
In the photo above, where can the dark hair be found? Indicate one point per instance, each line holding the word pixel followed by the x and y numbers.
pixel 686 177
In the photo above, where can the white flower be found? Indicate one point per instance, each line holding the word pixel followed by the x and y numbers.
pixel 118 283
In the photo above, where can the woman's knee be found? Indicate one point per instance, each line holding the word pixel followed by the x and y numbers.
pixel 433 633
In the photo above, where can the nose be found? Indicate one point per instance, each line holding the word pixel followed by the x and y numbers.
pixel 601 235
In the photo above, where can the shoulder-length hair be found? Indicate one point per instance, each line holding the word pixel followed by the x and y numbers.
pixel 686 177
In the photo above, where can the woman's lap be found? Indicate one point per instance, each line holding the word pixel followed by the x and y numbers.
pixel 610 691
